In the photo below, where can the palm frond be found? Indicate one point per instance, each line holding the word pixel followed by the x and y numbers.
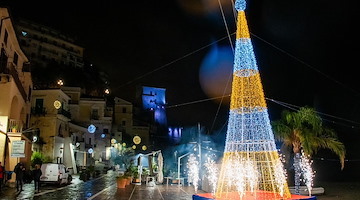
pixel 336 147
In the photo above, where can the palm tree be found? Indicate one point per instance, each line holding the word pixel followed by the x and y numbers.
pixel 304 131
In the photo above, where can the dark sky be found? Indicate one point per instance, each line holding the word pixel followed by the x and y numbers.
pixel 307 51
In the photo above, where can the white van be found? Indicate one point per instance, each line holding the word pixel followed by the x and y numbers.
pixel 55 173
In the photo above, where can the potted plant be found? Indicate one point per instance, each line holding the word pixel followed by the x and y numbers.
pixel 14 128
pixel 121 181
pixel 136 178
pixel 134 170
pixel 145 173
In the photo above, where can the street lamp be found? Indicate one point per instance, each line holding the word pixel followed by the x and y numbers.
pixel 60 82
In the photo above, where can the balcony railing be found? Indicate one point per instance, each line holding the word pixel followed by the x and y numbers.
pixel 95 116
pixel 64 112
pixel 38 111
pixel 15 126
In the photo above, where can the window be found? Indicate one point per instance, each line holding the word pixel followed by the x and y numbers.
pixel 6 37
pixel 95 114
pixel 39 103
pixel 29 93
pixel 16 58
pixel 123 123
pixel 124 109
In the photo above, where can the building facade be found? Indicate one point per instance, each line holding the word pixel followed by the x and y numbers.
pixel 126 127
pixel 15 96
pixel 44 45
pixel 91 127
pixel 50 115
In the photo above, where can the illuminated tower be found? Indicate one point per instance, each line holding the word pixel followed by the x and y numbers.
pixel 251 167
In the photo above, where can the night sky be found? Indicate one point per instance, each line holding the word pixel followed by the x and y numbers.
pixel 307 52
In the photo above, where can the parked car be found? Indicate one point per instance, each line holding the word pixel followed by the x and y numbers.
pixel 55 173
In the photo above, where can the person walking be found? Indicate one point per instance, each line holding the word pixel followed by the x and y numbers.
pixel 2 171
pixel 19 171
pixel 36 175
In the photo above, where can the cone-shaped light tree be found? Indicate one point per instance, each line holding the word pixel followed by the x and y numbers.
pixel 251 165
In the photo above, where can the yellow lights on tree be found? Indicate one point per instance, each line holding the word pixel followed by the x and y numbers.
pixel 57 104
pixel 251 165
pixel 107 91
pixel 113 141
pixel 144 147
pixel 134 146
pixel 137 140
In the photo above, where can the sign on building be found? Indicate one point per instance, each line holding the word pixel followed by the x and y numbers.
pixel 18 149
pixel 3 124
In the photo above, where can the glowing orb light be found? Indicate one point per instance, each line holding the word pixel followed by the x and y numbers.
pixel 91 128
pixel 137 140
pixel 57 104
pixel 91 150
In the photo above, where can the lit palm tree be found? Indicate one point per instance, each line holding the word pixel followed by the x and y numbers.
pixel 303 131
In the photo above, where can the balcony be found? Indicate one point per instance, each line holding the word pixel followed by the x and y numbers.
pixel 94 116
pixel 64 112
pixel 37 111
pixel 15 126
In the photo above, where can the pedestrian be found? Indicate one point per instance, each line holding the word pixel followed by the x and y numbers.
pixel 2 171
pixel 19 171
pixel 36 175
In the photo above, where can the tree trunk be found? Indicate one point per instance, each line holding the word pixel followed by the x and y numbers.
pixel 297 168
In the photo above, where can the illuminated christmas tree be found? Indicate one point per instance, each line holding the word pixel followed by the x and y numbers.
pixel 251 167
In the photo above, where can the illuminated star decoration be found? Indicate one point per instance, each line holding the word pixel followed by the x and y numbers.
pixel 251 163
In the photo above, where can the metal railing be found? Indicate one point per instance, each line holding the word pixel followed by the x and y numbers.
pixel 38 111
pixel 64 112
pixel 15 126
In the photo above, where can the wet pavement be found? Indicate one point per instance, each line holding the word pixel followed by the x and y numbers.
pixel 140 192
pixel 101 188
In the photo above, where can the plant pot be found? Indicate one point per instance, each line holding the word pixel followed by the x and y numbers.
pixel 136 180
pixel 121 182
pixel 128 180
